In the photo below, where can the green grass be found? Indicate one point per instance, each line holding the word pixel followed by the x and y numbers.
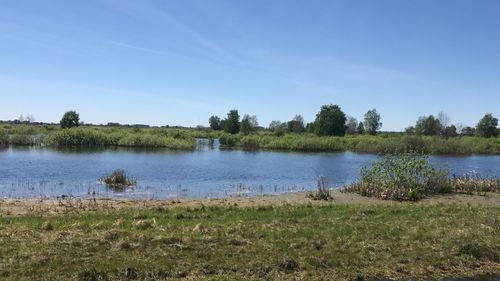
pixel 341 242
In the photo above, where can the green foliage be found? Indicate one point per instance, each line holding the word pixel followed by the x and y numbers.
pixel 361 128
pixel 246 126
pixel 372 122
pixel 232 122
pixel 428 126
pixel 407 177
pixel 4 138
pixel 70 119
pixel 330 121
pixel 296 125
pixel 487 126
pixel 92 137
pixel 351 126
pixel 215 123
pixel 450 132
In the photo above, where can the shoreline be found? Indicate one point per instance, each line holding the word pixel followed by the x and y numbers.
pixel 49 206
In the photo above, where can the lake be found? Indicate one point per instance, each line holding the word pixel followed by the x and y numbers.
pixel 207 172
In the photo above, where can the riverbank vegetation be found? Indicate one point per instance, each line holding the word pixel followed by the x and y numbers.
pixel 332 130
pixel 343 242
pixel 411 177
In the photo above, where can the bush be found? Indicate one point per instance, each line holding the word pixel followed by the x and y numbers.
pixel 407 177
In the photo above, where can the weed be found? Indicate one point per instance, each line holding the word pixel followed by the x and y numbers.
pixel 118 179
pixel 322 192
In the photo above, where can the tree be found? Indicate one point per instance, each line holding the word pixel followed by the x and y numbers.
pixel 278 128
pixel 253 121
pixel 214 122
pixel 274 125
pixel 361 128
pixel 296 125
pixel 451 131
pixel 410 130
pixel 30 118
pixel 248 124
pixel 232 122
pixel 70 119
pixel 372 122
pixel 428 126
pixel 444 121
pixel 330 121
pixel 351 126
pixel 487 126
pixel 468 131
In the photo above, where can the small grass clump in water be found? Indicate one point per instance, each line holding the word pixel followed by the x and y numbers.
pixel 119 179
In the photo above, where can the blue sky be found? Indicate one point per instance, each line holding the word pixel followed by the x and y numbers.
pixel 178 62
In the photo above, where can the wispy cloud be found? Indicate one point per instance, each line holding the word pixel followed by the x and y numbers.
pixel 159 18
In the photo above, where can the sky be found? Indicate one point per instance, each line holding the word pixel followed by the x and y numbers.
pixel 162 62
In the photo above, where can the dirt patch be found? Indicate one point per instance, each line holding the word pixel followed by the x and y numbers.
pixel 48 207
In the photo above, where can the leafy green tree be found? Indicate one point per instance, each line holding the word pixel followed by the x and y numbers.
pixel 372 122
pixel 248 124
pixel 410 130
pixel 214 122
pixel 232 122
pixel 468 131
pixel 274 125
pixel 70 119
pixel 310 128
pixel 428 126
pixel 451 132
pixel 296 125
pixel 330 121
pixel 361 128
pixel 487 126
pixel 351 126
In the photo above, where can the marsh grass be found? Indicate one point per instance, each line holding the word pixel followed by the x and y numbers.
pixel 377 242
pixel 184 139
pixel 119 179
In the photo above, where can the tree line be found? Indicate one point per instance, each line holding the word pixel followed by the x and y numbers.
pixel 332 121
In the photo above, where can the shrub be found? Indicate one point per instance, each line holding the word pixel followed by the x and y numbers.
pixel 407 177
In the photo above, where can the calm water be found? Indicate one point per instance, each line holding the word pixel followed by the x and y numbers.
pixel 42 172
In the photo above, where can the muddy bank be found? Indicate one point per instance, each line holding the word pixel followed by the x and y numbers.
pixel 20 207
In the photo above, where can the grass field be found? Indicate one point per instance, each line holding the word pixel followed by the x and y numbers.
pixel 291 241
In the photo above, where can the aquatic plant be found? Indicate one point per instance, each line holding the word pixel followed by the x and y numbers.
pixel 118 179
